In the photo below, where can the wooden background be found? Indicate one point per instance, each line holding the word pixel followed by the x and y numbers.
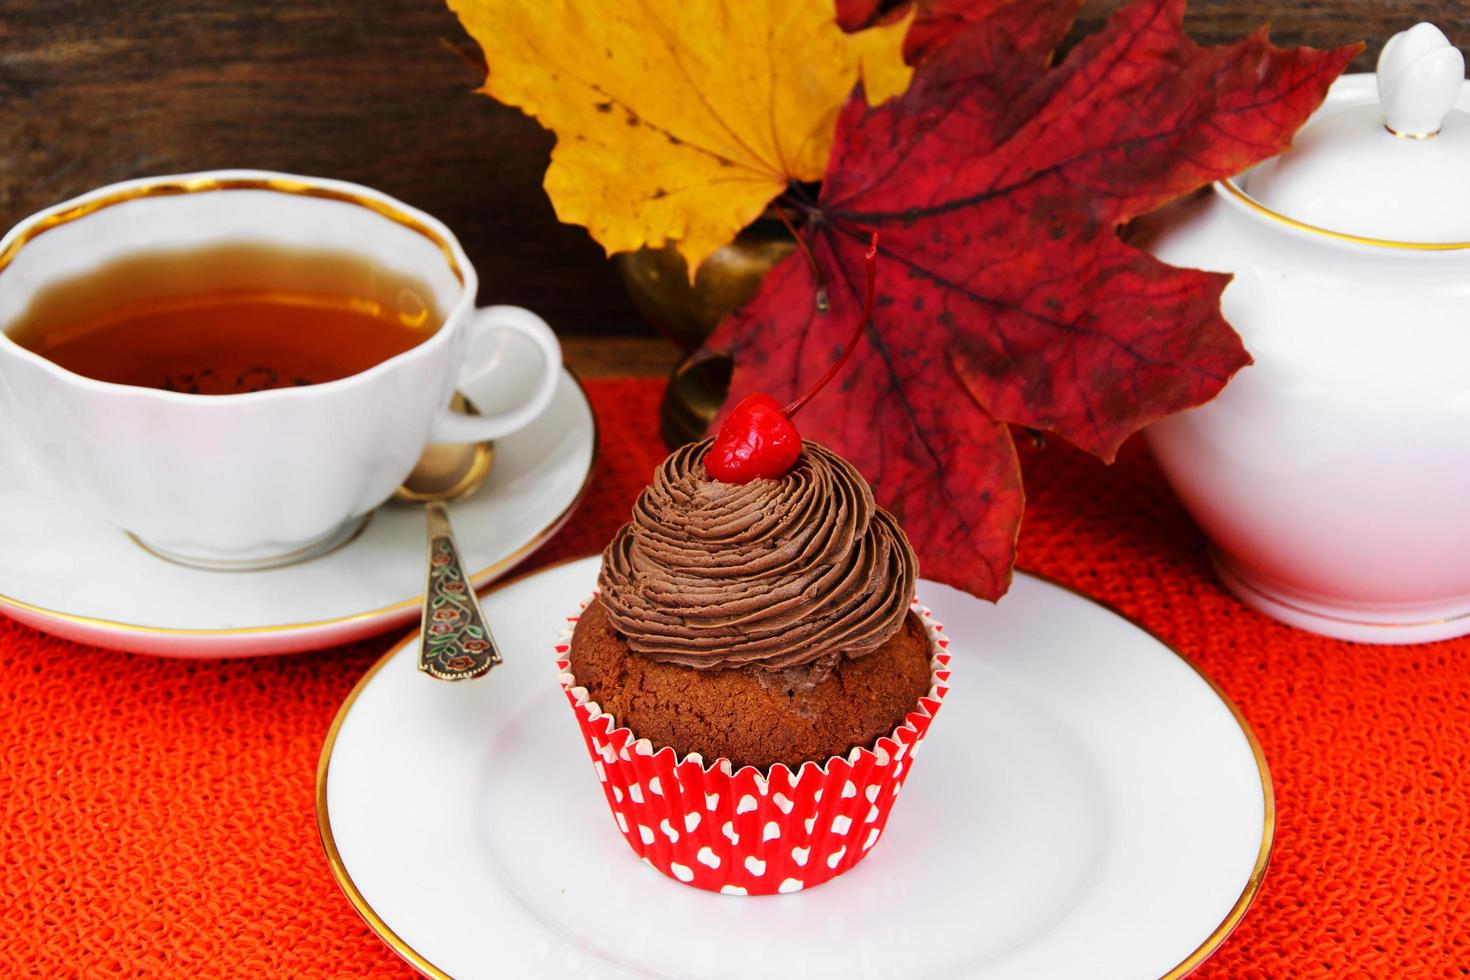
pixel 381 92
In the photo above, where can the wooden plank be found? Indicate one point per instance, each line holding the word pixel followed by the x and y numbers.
pixel 619 357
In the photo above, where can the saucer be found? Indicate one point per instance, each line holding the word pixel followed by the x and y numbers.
pixel 1088 804
pixel 67 573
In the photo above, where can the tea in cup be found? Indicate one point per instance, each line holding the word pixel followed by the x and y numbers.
pixel 237 367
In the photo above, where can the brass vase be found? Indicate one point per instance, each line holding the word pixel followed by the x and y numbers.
pixel 658 282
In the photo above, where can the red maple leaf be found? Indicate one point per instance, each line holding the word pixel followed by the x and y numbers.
pixel 998 185
pixel 937 22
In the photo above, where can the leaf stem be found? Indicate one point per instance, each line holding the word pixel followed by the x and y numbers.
pixel 798 196
pixel 811 258
pixel 871 257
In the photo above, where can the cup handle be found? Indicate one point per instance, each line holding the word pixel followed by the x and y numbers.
pixel 453 427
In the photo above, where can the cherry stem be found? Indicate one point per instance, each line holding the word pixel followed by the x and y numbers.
pixel 871 257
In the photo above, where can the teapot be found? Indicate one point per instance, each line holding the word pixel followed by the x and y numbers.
pixel 1333 475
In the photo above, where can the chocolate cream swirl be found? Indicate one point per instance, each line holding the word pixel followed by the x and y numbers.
pixel 769 574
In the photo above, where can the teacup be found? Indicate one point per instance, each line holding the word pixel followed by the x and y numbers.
pixel 263 478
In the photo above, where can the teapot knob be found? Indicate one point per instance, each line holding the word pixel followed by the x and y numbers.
pixel 1419 77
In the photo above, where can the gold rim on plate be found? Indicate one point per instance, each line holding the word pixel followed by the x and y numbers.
pixel 422 963
pixel 477 579
pixel 1257 877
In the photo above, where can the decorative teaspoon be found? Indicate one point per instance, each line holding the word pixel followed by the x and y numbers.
pixel 455 643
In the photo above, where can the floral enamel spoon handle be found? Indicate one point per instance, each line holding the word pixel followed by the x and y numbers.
pixel 455 644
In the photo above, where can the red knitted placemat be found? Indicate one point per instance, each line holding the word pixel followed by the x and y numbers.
pixel 158 814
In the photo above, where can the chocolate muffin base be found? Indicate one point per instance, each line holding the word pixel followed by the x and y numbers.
pixel 738 715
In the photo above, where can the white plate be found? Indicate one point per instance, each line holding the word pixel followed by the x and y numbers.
pixel 77 576
pixel 1088 804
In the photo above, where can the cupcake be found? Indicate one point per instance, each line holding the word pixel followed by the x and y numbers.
pixel 754 674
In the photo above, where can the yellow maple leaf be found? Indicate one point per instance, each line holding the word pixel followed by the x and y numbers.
pixel 679 120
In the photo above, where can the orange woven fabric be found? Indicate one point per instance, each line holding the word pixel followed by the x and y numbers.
pixel 157 814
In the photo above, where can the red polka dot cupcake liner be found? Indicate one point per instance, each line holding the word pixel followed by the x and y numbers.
pixel 749 832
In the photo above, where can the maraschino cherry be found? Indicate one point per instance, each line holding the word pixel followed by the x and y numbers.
pixel 758 440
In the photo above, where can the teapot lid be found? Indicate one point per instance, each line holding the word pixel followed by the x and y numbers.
pixel 1389 164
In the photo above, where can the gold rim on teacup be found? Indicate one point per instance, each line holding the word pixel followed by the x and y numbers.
pixel 169 186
